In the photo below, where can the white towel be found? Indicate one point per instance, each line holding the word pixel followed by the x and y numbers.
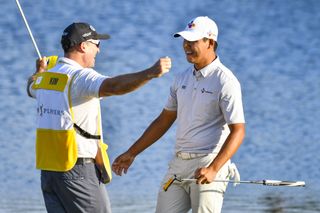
pixel 234 174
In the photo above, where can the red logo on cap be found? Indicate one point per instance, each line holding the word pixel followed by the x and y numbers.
pixel 191 25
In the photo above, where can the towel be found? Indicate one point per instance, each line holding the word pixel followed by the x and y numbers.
pixel 234 174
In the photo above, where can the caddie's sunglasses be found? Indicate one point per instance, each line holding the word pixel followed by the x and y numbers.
pixel 95 42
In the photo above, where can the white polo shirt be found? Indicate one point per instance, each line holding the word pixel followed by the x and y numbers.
pixel 206 101
pixel 85 100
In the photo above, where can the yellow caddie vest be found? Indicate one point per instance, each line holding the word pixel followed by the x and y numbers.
pixel 56 146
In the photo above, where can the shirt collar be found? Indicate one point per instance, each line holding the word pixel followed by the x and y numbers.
pixel 69 61
pixel 207 70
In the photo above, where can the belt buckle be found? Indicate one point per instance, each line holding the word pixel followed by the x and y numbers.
pixel 84 160
pixel 189 156
pixel 184 155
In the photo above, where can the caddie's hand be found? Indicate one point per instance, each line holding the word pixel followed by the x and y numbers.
pixel 162 66
pixel 122 163
pixel 41 65
pixel 205 175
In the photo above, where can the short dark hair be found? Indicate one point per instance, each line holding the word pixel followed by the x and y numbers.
pixel 215 44
pixel 67 48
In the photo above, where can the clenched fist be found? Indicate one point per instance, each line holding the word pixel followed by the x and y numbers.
pixel 162 66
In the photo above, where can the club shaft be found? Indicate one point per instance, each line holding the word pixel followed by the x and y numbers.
pixel 229 181
pixel 263 182
pixel 28 28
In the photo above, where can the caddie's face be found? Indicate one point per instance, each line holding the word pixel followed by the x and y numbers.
pixel 197 52
pixel 92 49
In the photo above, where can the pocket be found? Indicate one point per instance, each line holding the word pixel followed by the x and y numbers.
pixel 56 150
pixel 223 173
pixel 75 173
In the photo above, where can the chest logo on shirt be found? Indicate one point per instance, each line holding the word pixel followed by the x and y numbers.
pixel 206 91
pixel 183 87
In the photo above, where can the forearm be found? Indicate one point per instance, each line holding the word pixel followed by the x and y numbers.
pixel 230 147
pixel 129 82
pixel 41 65
pixel 123 84
pixel 154 132
pixel 149 137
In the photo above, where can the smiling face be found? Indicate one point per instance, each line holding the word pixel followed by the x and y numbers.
pixel 200 53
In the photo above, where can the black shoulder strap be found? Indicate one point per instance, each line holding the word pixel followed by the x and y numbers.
pixel 84 133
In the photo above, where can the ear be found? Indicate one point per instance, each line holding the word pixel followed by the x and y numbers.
pixel 82 47
pixel 211 43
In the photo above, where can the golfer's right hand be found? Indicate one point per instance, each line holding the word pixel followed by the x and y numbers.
pixel 122 163
pixel 162 66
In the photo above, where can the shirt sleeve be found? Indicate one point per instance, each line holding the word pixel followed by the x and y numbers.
pixel 31 92
pixel 231 102
pixel 172 101
pixel 87 83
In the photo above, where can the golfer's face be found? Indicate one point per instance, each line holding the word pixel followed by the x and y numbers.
pixel 195 50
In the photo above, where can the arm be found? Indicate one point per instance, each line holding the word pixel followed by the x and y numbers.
pixel 229 148
pixel 41 65
pixel 129 82
pixel 155 131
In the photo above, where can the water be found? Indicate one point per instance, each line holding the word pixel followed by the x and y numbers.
pixel 272 46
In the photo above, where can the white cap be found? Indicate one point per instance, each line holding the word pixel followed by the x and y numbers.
pixel 198 28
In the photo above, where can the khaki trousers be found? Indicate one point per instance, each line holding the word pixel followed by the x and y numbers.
pixel 183 196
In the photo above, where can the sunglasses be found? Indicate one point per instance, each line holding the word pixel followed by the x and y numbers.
pixel 95 42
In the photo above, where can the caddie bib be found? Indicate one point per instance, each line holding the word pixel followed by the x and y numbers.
pixel 56 146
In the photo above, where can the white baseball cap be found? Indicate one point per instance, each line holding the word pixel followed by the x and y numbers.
pixel 198 28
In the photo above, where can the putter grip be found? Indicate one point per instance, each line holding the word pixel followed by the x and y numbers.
pixel 168 184
pixel 283 183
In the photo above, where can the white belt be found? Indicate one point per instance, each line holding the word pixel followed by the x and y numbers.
pixel 188 156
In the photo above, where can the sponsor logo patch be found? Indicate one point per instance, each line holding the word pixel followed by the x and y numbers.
pixel 191 25
pixel 206 91
pixel 87 34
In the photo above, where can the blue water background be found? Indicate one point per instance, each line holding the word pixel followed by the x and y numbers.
pixel 272 46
